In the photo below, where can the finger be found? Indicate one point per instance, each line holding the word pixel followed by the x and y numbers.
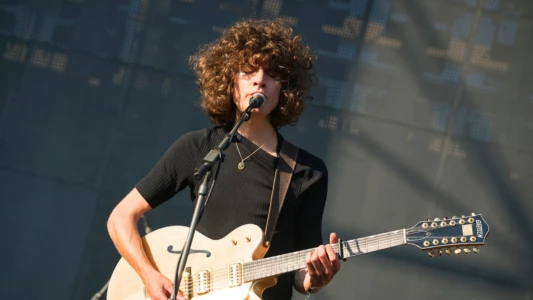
pixel 333 258
pixel 337 265
pixel 333 238
pixel 310 268
pixel 324 261
pixel 161 296
pixel 181 297
pixel 168 288
pixel 315 260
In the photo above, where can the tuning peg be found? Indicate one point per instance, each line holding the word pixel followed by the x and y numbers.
pixel 463 216
pixel 473 214
pixel 445 218
pixel 440 252
pixel 466 250
pixel 475 249
pixel 455 217
pixel 448 251
pixel 457 251
pixel 437 219
pixel 430 253
pixel 429 219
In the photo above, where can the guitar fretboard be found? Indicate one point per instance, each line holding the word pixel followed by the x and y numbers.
pixel 285 263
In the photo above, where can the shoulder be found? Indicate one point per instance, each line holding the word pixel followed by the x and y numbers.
pixel 309 165
pixel 311 161
pixel 310 177
pixel 187 144
pixel 196 138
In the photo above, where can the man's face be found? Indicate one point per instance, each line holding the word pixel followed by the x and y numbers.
pixel 256 79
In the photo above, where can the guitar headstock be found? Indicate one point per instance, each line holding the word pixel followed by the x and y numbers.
pixel 449 236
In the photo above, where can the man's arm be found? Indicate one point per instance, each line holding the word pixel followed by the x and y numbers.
pixel 122 228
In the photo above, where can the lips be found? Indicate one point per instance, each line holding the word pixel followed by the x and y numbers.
pixel 252 94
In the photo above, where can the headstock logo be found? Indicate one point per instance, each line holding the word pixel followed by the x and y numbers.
pixel 479 229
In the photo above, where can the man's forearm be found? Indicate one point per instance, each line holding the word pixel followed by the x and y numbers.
pixel 126 238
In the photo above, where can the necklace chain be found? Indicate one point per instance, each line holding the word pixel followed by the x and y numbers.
pixel 241 165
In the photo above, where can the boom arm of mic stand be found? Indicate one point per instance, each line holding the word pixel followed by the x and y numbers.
pixel 204 171
pixel 216 153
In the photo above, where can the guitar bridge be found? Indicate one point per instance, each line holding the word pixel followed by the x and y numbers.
pixel 185 286
pixel 235 274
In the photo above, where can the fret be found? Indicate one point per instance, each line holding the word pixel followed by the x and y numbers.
pixel 285 263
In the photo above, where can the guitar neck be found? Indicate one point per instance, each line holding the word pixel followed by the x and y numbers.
pixel 276 265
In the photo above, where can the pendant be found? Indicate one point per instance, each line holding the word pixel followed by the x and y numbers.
pixel 240 166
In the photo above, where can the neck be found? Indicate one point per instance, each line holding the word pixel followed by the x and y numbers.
pixel 276 265
pixel 259 131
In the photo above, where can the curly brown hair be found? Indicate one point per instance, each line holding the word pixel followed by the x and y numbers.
pixel 247 44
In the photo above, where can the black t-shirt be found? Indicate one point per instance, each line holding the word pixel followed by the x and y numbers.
pixel 243 196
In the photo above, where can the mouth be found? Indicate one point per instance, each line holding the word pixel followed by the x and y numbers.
pixel 249 96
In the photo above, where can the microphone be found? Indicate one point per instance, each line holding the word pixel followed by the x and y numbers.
pixel 257 100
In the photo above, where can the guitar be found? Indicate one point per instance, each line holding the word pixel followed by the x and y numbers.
pixel 234 268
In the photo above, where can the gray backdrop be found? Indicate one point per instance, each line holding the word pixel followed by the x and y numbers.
pixel 424 109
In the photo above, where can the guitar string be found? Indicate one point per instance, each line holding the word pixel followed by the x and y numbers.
pixel 252 266
pixel 249 269
pixel 370 246
pixel 368 242
pixel 335 247
pixel 220 285
pixel 252 269
pixel 217 284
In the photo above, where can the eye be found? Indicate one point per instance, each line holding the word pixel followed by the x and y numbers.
pixel 274 75
pixel 245 73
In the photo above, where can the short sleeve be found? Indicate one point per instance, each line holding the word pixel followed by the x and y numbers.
pixel 173 172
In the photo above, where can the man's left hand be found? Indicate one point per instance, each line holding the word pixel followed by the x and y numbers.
pixel 322 264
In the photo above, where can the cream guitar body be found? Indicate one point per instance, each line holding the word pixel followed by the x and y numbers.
pixel 234 268
pixel 211 263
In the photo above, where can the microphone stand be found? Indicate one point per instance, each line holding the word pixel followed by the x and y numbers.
pixel 205 171
pixel 101 292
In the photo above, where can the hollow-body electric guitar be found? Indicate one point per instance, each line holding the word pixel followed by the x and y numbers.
pixel 233 267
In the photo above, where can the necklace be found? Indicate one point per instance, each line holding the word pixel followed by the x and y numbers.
pixel 241 164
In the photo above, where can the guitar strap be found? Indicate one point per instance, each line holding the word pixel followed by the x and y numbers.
pixel 280 185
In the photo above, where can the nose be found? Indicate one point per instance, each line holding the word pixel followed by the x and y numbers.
pixel 259 78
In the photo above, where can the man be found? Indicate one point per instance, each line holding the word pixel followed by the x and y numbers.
pixel 251 57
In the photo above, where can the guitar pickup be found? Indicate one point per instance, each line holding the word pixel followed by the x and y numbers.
pixel 235 274
pixel 203 280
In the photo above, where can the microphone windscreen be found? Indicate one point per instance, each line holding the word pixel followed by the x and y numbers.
pixel 257 100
